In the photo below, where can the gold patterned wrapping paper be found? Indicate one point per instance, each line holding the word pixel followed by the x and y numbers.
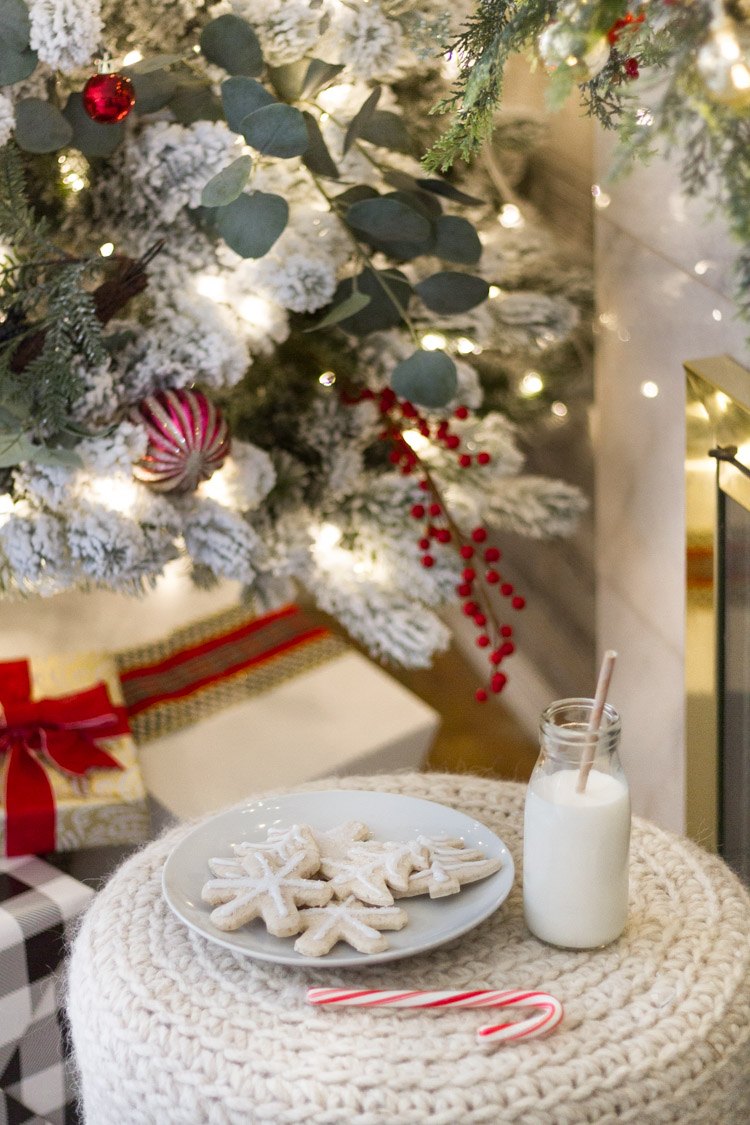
pixel 104 806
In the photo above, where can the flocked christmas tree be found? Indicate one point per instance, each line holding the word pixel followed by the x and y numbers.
pixel 243 325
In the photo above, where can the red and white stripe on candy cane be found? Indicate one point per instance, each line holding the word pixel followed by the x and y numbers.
pixel 549 1010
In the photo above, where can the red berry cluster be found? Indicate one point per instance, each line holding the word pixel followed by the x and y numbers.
pixel 628 22
pixel 478 591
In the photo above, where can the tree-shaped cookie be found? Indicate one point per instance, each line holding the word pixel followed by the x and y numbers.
pixel 450 866
pixel 371 869
pixel 351 921
pixel 265 890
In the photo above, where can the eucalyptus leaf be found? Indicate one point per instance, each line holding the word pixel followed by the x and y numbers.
pixel 156 62
pixel 44 455
pixel 15 65
pixel 388 219
pixel 389 292
pixel 242 96
pixel 418 201
pixel 251 224
pixel 319 74
pixel 427 378
pixel 361 118
pixel 450 292
pixel 457 241
pixel 15 448
pixel 152 90
pixel 387 130
pixel 276 130
pixel 401 181
pixel 227 184
pixel 316 156
pixel 288 80
pixel 352 304
pixel 15 26
pixel 40 126
pixel 195 101
pixel 231 43
pixel 11 420
pixel 90 137
pixel 353 195
pixel 441 187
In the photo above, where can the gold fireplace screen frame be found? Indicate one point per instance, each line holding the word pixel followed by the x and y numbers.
pixel 718 420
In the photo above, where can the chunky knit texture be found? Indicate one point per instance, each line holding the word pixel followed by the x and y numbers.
pixel 170 1029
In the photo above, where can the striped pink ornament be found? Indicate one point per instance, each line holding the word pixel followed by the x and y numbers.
pixel 188 440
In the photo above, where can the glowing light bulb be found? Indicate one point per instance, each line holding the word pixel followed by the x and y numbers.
pixel 132 57
pixel 716 314
pixel 328 378
pixel 6 508
pixel 559 409
pixel 208 285
pixel 255 310
pixel 649 389
pixel 602 200
pixel 216 487
pixel 495 291
pixel 531 384
pixel 465 346
pixel 106 249
pixel 740 76
pixel 431 341
pixel 416 441
pixel 510 216
pixel 701 267
pixel 328 536
pixel 115 493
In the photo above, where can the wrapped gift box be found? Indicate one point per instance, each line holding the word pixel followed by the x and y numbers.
pixel 234 704
pixel 101 805
pixel 36 903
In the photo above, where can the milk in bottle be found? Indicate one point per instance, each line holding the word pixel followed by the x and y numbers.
pixel 576 844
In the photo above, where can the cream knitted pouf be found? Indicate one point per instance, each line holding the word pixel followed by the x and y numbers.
pixel 170 1029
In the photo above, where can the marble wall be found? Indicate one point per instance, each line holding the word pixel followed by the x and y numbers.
pixel 663 282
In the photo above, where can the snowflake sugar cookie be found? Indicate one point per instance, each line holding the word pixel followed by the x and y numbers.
pixel 268 891
pixel 350 921
pixel 370 869
pixel 335 842
pixel 280 845
pixel 450 866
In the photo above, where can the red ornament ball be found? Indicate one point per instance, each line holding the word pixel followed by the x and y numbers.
pixel 188 440
pixel 108 98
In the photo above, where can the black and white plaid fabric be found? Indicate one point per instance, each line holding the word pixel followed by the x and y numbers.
pixel 36 901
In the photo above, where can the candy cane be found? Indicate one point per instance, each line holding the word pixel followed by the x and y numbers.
pixel 549 1014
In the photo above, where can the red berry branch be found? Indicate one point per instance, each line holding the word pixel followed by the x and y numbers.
pixel 478 590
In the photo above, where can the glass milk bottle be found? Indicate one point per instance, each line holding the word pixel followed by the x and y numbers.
pixel 576 844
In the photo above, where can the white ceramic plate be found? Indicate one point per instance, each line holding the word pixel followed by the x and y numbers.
pixel 390 816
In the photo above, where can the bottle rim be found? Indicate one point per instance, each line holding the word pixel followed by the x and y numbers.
pixel 575 736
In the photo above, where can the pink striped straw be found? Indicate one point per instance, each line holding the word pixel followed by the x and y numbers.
pixel 548 1015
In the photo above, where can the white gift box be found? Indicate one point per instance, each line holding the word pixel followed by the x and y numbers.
pixel 346 715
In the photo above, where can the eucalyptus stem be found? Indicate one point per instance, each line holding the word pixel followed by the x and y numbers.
pixel 365 257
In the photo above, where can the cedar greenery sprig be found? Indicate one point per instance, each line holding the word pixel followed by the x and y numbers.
pixel 710 139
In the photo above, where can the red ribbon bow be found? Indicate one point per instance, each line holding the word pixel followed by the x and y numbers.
pixel 63 730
